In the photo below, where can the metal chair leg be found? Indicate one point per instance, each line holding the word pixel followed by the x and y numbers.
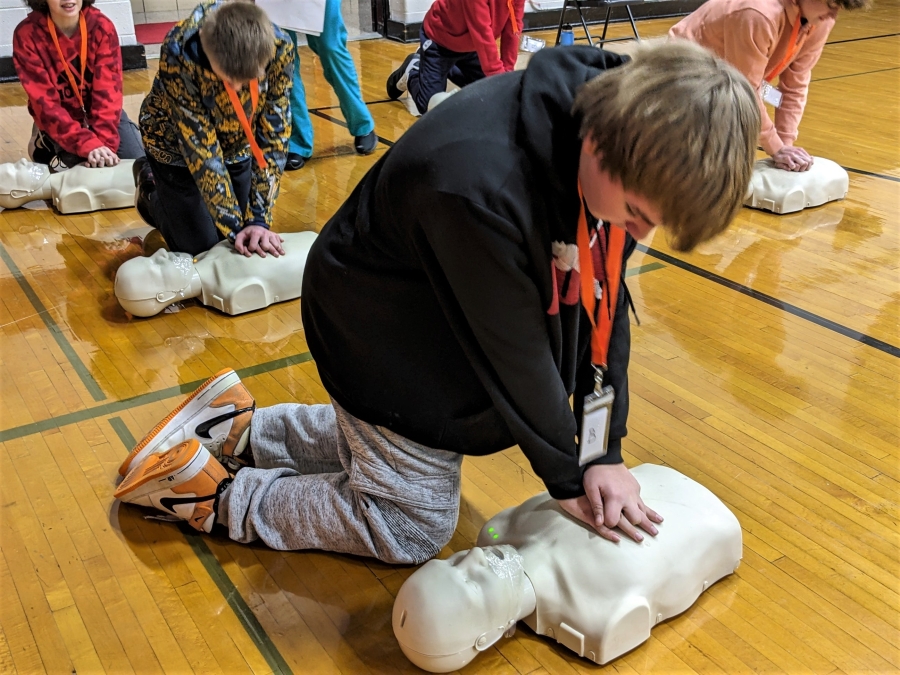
pixel 633 26
pixel 562 20
pixel 605 26
pixel 584 24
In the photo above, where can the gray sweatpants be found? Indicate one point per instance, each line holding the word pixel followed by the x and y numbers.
pixel 326 480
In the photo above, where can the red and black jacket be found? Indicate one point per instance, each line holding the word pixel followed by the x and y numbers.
pixel 51 101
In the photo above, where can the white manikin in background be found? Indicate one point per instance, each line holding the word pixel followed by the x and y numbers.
pixel 76 190
pixel 780 191
pixel 536 564
pixel 221 278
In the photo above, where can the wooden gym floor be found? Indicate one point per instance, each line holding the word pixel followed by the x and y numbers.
pixel 765 367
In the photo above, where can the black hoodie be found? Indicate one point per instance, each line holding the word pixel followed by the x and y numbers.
pixel 426 296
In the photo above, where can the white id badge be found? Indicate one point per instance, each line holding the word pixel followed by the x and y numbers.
pixel 595 420
pixel 531 44
pixel 771 95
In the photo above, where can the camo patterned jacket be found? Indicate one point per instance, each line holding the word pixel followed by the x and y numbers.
pixel 187 120
pixel 52 102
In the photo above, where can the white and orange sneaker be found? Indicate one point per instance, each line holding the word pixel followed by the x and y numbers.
pixel 185 481
pixel 217 415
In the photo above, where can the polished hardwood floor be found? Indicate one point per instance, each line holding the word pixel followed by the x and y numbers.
pixel 765 367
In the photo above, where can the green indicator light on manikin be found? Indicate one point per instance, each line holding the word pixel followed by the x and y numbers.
pixel 496 536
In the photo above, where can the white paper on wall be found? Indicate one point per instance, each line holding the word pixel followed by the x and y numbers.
pixel 303 16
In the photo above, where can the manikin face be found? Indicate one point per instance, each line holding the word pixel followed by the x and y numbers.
pixel 447 605
pixel 162 276
pixel 63 12
pixel 608 200
pixel 23 176
pixel 817 11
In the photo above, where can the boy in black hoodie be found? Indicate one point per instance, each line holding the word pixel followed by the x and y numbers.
pixel 460 296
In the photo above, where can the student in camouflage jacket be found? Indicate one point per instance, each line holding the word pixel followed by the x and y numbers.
pixel 201 182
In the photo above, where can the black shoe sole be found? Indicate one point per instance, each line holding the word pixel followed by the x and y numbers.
pixel 393 91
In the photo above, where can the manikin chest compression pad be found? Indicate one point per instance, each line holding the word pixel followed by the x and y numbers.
pixel 781 191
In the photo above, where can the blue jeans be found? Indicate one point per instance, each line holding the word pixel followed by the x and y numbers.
pixel 340 73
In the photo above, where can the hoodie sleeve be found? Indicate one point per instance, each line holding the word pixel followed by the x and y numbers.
pixel 478 267
pixel 106 89
pixel 478 21
pixel 794 84
pixel 509 39
pixel 750 38
pixel 273 131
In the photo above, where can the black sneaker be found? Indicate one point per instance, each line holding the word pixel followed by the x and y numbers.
pixel 294 162
pixel 144 185
pixel 42 154
pixel 365 145
pixel 396 82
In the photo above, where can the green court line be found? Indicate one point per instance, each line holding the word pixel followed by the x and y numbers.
pixel 217 573
pixel 142 399
pixel 649 267
pixel 83 373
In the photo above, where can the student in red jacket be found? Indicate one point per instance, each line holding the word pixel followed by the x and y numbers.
pixel 67 56
pixel 458 42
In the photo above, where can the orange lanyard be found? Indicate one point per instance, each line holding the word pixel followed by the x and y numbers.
pixel 602 326
pixel 793 48
pixel 82 24
pixel 512 16
pixel 242 117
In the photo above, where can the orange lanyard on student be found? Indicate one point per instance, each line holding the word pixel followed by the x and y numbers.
pixel 602 325
pixel 242 117
pixel 78 90
pixel 512 16
pixel 793 48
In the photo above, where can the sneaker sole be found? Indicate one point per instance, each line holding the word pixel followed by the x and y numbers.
pixel 205 394
pixel 187 458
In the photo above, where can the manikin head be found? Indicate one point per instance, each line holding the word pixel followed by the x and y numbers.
pixel 450 610
pixel 146 286
pixel 22 182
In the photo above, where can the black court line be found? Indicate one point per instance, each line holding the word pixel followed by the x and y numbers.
pixel 337 107
pixel 871 37
pixel 775 302
pixel 342 123
pixel 868 72
pixel 873 174
pixel 83 373
pixel 229 591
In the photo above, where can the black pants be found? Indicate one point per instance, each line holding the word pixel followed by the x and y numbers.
pixel 178 209
pixel 437 65
pixel 130 145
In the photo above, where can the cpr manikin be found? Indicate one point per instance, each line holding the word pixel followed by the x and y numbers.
pixel 780 191
pixel 76 190
pixel 535 563
pixel 221 278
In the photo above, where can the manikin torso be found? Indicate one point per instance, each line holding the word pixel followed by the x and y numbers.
pixel 76 190
pixel 600 599
pixel 536 564
pixel 780 191
pixel 221 278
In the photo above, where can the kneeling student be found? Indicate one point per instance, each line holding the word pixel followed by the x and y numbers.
pixel 216 125
pixel 446 314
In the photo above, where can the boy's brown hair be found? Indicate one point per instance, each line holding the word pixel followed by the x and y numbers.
pixel 678 126
pixel 239 36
